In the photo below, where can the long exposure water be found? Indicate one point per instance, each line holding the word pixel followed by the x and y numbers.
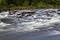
pixel 44 24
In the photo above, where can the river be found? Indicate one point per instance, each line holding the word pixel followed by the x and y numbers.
pixel 44 24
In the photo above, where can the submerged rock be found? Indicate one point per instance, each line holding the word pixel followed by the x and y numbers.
pixel 8 21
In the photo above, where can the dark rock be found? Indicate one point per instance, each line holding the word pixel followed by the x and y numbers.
pixel 8 21
pixel 58 13
pixel 58 9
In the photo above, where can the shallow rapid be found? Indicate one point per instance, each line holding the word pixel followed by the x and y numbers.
pixel 44 24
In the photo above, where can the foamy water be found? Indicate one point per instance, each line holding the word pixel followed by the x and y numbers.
pixel 41 22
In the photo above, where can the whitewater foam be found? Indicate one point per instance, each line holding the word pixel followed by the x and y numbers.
pixel 30 23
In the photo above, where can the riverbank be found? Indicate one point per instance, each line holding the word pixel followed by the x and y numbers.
pixel 6 8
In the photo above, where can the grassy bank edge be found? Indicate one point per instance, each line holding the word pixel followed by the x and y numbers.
pixel 6 8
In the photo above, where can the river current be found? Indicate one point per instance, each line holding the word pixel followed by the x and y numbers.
pixel 44 24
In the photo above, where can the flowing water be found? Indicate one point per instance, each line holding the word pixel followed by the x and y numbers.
pixel 44 24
